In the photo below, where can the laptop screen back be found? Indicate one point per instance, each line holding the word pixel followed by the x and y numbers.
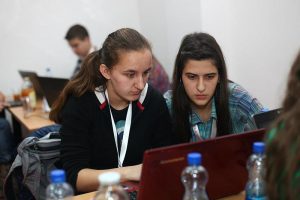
pixel 52 87
pixel 33 78
pixel 265 119
pixel 224 158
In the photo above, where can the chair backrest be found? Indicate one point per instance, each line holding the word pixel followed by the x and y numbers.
pixel 29 172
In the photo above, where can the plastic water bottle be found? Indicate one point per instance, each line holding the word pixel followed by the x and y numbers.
pixel 59 189
pixel 110 188
pixel 194 178
pixel 256 187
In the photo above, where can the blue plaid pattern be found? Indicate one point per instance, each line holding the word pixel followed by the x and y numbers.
pixel 242 107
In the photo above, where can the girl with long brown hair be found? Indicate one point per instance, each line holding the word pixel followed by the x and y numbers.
pixel 109 114
pixel 203 103
pixel 283 144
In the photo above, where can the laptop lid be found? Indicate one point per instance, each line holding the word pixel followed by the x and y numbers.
pixel 51 87
pixel 223 157
pixel 33 78
pixel 265 119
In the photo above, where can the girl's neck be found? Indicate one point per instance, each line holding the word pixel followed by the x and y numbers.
pixel 205 111
pixel 115 100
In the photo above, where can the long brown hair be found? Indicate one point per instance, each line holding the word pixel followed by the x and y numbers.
pixel 89 76
pixel 199 46
pixel 283 151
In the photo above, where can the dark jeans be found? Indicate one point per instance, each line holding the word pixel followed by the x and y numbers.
pixel 7 142
pixel 41 132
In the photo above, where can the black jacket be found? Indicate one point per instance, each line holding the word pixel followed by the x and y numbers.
pixel 87 135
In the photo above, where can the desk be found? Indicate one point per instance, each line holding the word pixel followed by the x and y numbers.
pixel 36 120
pixel 90 195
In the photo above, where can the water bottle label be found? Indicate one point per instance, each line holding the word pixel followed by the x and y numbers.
pixel 256 198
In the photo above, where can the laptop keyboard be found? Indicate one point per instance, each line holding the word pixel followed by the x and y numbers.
pixel 132 195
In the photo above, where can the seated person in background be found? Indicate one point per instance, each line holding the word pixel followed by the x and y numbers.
pixel 158 77
pixel 79 40
pixel 203 103
pixel 7 143
pixel 109 114
pixel 283 144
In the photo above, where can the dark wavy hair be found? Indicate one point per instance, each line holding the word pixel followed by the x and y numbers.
pixel 89 76
pixel 76 31
pixel 199 46
pixel 283 151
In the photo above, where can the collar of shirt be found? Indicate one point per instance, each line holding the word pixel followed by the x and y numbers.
pixel 203 128
pixel 92 49
pixel 196 119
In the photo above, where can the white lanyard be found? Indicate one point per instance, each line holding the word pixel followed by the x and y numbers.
pixel 125 134
pixel 101 98
pixel 213 131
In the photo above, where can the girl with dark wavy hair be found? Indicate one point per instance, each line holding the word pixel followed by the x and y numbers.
pixel 109 114
pixel 203 103
pixel 283 144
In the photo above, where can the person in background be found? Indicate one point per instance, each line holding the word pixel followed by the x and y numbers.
pixel 109 114
pixel 283 144
pixel 80 42
pixel 158 77
pixel 7 143
pixel 204 103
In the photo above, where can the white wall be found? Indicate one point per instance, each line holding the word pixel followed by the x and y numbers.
pixel 32 33
pixel 165 23
pixel 259 38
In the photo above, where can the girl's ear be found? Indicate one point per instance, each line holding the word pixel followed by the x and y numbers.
pixel 104 70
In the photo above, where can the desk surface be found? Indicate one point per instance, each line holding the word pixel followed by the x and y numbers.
pixel 90 195
pixel 36 120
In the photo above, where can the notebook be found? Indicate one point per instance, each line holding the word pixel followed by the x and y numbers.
pixel 223 157
pixel 33 78
pixel 51 87
pixel 264 119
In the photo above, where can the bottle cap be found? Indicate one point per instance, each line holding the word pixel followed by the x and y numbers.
pixel 109 178
pixel 58 176
pixel 258 147
pixel 194 158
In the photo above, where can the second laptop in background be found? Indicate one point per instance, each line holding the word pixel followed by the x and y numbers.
pixel 35 82
pixel 51 87
pixel 48 87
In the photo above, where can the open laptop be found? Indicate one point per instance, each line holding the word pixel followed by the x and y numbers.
pixel 33 78
pixel 265 119
pixel 51 87
pixel 223 157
